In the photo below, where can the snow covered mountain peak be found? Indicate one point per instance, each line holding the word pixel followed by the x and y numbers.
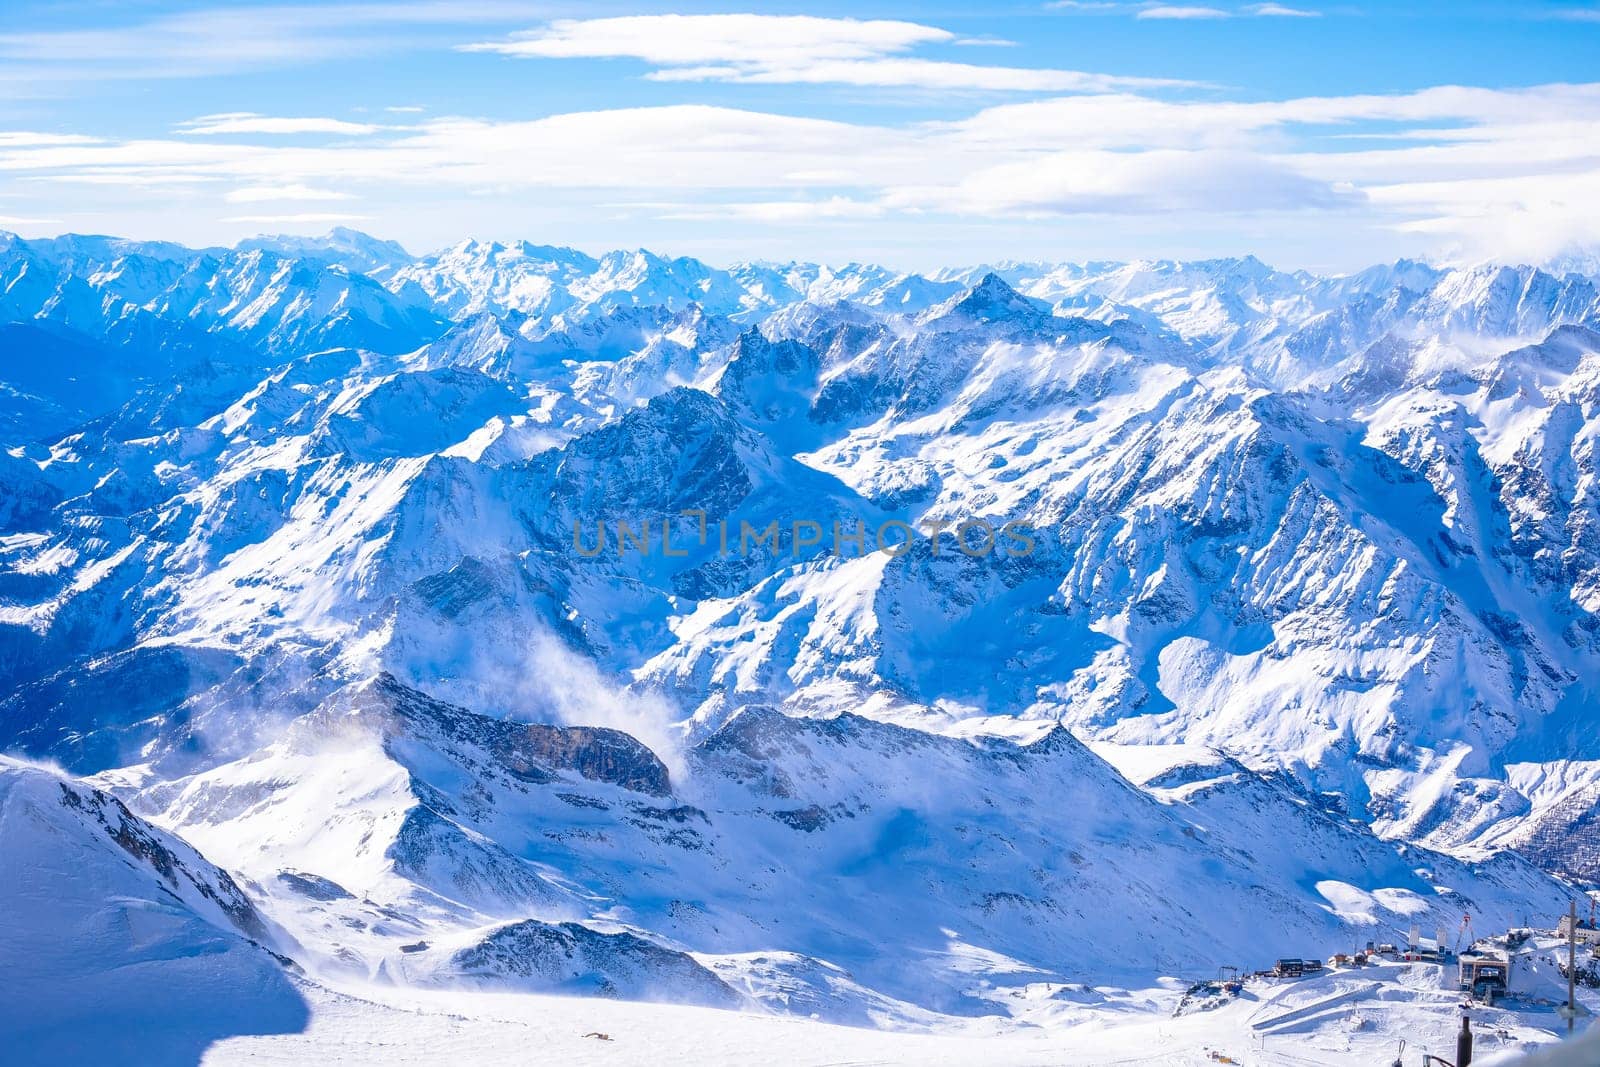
pixel 357 252
pixel 506 617
pixel 991 299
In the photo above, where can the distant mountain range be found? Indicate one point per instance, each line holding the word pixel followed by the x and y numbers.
pixel 298 572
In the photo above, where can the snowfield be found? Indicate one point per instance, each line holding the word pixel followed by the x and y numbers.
pixel 406 1027
pixel 388 674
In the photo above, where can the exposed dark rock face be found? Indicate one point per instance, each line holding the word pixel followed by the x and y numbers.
pixel 681 450
pixel 1566 839
pixel 533 752
pixel 138 840
pixel 314 886
pixel 573 958
pixel 451 592
pixel 435 851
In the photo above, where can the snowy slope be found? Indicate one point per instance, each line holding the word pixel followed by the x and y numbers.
pixel 846 868
pixel 1307 552
pixel 106 922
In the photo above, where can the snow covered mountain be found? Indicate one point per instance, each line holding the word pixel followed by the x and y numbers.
pixel 821 641
pixel 105 919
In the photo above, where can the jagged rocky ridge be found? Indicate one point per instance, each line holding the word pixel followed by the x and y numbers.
pixel 1324 550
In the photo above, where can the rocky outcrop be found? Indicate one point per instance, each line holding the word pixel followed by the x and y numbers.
pixel 535 752
pixel 572 958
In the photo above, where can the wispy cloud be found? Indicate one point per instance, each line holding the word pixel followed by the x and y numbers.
pixel 1455 162
pixel 798 212
pixel 1090 7
pixel 765 41
pixel 252 194
pixel 791 49
pixel 1280 11
pixel 30 138
pixel 247 122
pixel 1137 183
pixel 297 219
pixel 229 39
pixel 1181 11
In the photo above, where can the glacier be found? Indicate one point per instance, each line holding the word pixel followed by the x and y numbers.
pixel 1304 651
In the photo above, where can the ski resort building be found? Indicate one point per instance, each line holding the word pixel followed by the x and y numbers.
pixel 1587 932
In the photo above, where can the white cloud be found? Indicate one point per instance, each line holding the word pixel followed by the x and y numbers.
pixel 1445 113
pixel 297 219
pixel 1453 164
pixel 775 211
pixel 919 73
pixel 677 147
pixel 1178 11
pixel 136 176
pixel 789 49
pixel 228 39
pixel 1159 181
pixel 247 122
pixel 1183 11
pixel 1280 11
pixel 1510 218
pixel 253 194
pixel 28 138
pixel 762 41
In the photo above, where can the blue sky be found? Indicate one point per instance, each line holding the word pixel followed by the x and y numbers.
pixel 1319 135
